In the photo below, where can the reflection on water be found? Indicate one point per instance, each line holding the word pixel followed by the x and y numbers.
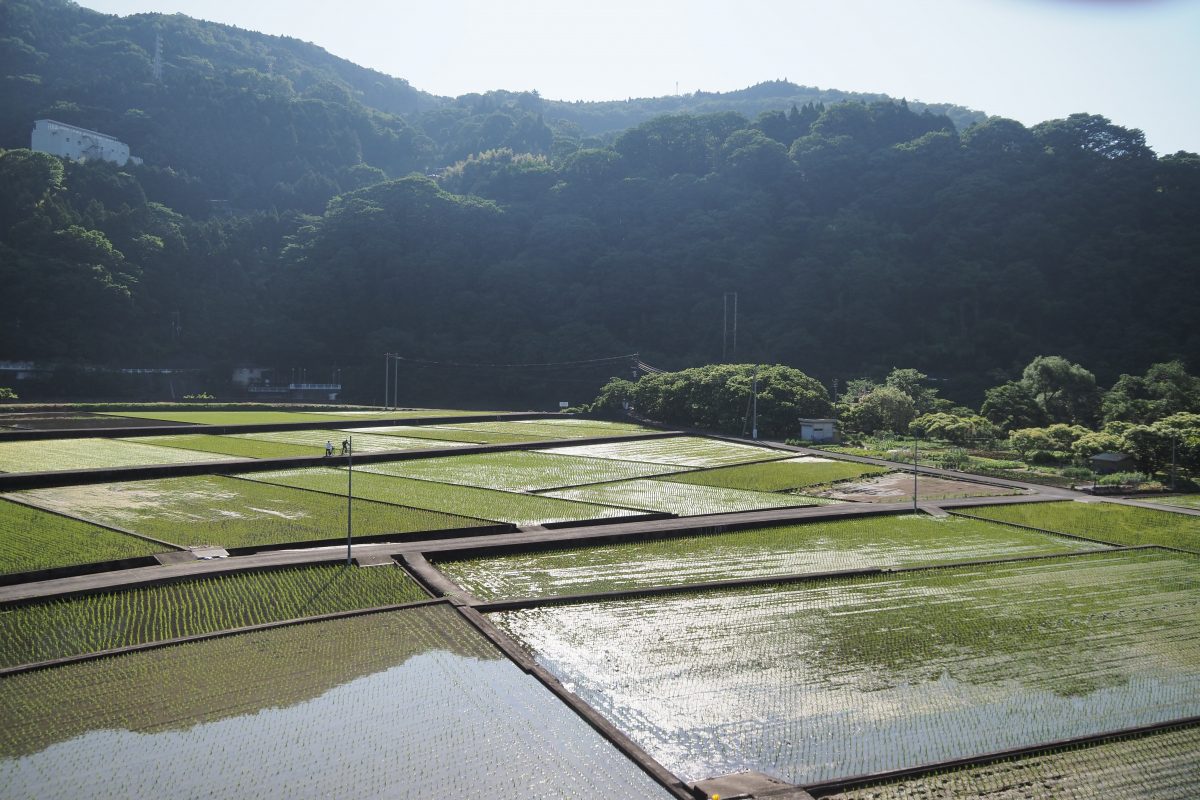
pixel 795 549
pixel 432 711
pixel 853 676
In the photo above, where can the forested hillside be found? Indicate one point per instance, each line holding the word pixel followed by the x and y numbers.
pixel 277 220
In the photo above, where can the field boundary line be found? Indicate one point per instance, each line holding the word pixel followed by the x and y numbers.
pixel 516 604
pixel 202 637
pixel 624 745
pixel 826 788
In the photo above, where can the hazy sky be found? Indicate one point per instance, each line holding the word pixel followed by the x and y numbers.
pixel 1136 62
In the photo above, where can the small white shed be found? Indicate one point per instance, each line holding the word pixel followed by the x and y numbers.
pixel 818 430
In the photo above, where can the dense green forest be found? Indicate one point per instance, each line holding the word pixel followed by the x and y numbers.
pixel 294 209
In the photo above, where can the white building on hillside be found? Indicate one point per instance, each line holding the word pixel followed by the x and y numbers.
pixel 78 144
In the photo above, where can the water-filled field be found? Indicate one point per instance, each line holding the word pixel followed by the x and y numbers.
pixel 409 703
pixel 230 512
pixel 682 451
pixel 518 471
pixel 513 507
pixel 32 539
pixel 819 680
pixel 814 547
pixel 1108 522
pixel 94 622
pixel 682 499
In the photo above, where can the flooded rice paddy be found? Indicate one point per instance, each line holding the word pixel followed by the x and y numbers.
pixel 411 703
pixel 811 682
pixel 814 547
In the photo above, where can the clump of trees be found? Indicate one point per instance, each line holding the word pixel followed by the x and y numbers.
pixel 720 397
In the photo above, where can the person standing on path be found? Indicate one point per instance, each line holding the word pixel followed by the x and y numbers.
pixel 328 448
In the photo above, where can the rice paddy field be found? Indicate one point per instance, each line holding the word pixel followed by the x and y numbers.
pixel 490 504
pixel 518 471
pixel 1162 766
pixel 832 678
pixel 49 455
pixel 230 512
pixel 264 416
pixel 230 445
pixel 95 622
pixel 682 499
pixel 1108 522
pixel 780 476
pixel 679 451
pixel 447 433
pixel 411 702
pixel 814 547
pixel 1180 500
pixel 33 539
pixel 314 441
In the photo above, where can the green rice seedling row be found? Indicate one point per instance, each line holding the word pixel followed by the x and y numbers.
pixel 1180 500
pixel 229 512
pixel 408 703
pixel 95 622
pixel 1162 766
pixel 518 471
pixel 681 499
pixel 446 434
pixel 51 455
pixel 681 451
pixel 814 547
pixel 229 445
pixel 1108 522
pixel 816 681
pixel 362 442
pixel 32 539
pixel 490 504
pixel 778 476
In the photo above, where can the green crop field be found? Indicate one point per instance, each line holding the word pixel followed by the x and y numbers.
pixel 229 445
pixel 682 499
pixel 777 476
pixel 518 509
pixel 95 622
pixel 221 417
pixel 446 433
pixel 681 451
pixel 1161 766
pixel 314 441
pixel 409 703
pixel 230 512
pixel 1108 522
pixel 32 539
pixel 518 471
pixel 831 678
pixel 1181 500
pixel 536 429
pixel 49 455
pixel 875 541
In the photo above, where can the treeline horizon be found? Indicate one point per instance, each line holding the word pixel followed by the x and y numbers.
pixel 858 236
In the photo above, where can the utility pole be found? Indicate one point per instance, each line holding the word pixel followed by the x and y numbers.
pixel 754 399
pixel 916 442
pixel 1173 440
pixel 387 364
pixel 349 497
pixel 396 383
